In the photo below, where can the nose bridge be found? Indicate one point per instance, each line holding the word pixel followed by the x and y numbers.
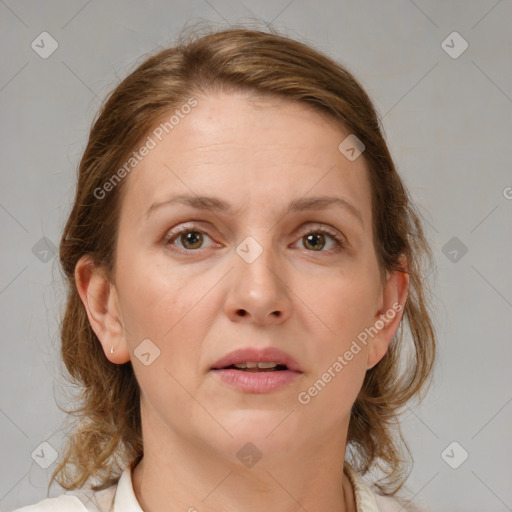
pixel 258 288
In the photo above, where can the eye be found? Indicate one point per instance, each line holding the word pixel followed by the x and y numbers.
pixel 315 239
pixel 186 238
pixel 189 238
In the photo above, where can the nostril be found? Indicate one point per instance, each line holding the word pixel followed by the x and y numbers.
pixel 242 312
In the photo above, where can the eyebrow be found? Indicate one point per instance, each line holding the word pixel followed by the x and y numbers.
pixel 297 205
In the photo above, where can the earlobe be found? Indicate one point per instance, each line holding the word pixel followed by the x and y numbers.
pixel 388 317
pixel 100 300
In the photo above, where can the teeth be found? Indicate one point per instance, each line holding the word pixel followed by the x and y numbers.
pixel 267 365
pixel 254 365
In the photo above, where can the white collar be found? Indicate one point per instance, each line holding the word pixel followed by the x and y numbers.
pixel 364 496
pixel 125 499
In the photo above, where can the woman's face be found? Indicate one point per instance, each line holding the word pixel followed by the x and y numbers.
pixel 199 281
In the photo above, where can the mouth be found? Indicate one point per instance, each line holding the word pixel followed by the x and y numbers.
pixel 252 370
pixel 254 360
pixel 261 377
pixel 256 367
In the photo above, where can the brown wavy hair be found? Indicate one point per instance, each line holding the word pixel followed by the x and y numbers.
pixel 106 435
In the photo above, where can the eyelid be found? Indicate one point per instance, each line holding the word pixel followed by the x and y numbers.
pixel 311 226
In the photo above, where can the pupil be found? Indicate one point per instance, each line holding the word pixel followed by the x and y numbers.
pixel 192 238
pixel 312 240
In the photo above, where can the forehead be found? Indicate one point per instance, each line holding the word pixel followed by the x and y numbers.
pixel 243 149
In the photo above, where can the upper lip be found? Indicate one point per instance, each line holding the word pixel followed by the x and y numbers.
pixel 266 355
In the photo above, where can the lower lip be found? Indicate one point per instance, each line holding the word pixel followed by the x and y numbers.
pixel 252 382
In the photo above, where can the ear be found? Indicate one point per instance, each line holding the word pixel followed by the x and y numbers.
pixel 389 315
pixel 99 298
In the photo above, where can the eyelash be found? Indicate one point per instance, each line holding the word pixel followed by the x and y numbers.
pixel 171 237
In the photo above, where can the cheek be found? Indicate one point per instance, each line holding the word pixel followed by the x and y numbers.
pixel 332 391
pixel 153 298
pixel 172 309
pixel 346 307
pixel 345 303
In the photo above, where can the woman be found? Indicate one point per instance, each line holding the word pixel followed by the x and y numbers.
pixel 241 257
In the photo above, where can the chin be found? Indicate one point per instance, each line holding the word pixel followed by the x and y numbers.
pixel 270 431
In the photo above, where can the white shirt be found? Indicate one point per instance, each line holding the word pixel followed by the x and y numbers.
pixel 121 498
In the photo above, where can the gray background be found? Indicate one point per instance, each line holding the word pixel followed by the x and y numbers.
pixel 448 123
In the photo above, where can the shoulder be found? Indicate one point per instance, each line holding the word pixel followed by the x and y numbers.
pixel 369 500
pixel 388 504
pixel 397 504
pixel 82 500
pixel 64 503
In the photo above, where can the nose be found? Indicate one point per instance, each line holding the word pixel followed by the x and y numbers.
pixel 258 292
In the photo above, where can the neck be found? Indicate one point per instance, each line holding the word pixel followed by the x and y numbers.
pixel 185 474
